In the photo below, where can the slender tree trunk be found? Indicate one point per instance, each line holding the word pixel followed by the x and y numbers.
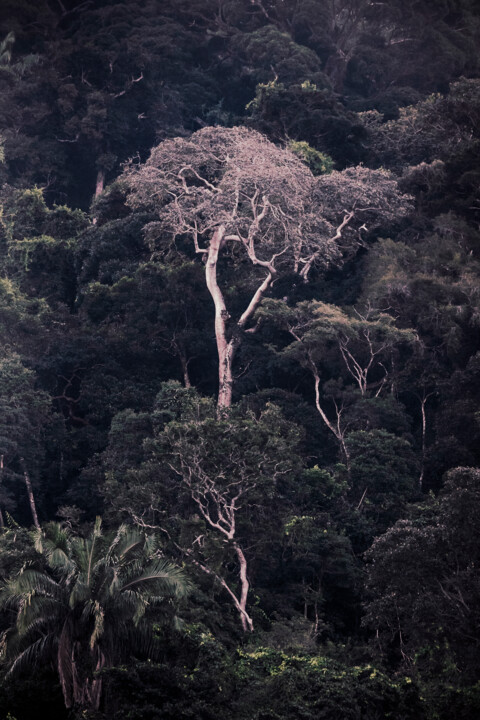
pixel 186 378
pixel 336 430
pixel 186 374
pixel 100 184
pixel 226 358
pixel 240 605
pixel 423 402
pixel 31 497
pixel 246 620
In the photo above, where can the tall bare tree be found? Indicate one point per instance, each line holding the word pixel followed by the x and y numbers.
pixel 234 194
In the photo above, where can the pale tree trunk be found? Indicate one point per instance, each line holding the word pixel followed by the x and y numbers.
pixel 186 377
pixel 246 620
pixel 225 524
pixel 424 433
pixel 227 528
pixel 240 604
pixel 225 388
pixel 335 429
pixel 100 184
pixel 227 348
pixel 31 498
pixel 423 403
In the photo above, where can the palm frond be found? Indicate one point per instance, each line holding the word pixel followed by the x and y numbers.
pixel 92 610
pixel 142 642
pixel 151 545
pixel 101 581
pixel 64 661
pixel 88 552
pixel 38 650
pixel 169 580
pixel 126 540
pixel 140 610
pixel 26 585
pixel 35 627
pixel 98 625
pixel 123 604
pixel 58 558
pixel 39 611
pixel 79 593
pixel 53 542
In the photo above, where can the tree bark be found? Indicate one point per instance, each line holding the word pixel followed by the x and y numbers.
pixel 246 620
pixel 423 402
pixel 100 184
pixel 336 430
pixel 186 375
pixel 225 348
pixel 31 497
pixel 240 605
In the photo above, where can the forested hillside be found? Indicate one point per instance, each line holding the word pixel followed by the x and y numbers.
pixel 240 359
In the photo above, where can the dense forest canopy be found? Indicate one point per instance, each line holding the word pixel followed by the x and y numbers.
pixel 240 364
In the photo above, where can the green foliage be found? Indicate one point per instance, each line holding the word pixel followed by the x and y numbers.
pixel 209 481
pixel 436 128
pixel 431 278
pixel 356 390
pixel 304 112
pixel 21 320
pixel 268 49
pixel 17 550
pixel 38 243
pixel 196 680
pixel 424 599
pixel 318 162
pixel 380 458
pixel 25 418
pixel 320 572
pixel 151 318
pixel 382 472
pixel 284 686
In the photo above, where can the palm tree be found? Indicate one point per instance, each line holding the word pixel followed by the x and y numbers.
pixel 88 605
